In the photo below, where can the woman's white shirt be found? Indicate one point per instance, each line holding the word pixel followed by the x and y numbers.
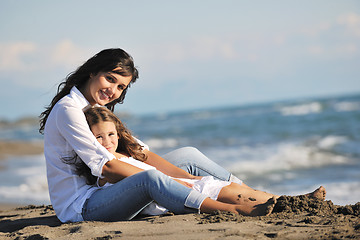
pixel 66 133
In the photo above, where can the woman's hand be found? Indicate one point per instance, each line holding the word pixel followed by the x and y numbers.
pixel 102 182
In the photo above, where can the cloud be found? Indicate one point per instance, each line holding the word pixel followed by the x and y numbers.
pixel 316 29
pixel 316 50
pixel 345 30
pixel 31 65
pixel 199 48
pixel 260 53
pixel 349 49
pixel 29 56
pixel 13 56
pixel 66 54
pixel 352 22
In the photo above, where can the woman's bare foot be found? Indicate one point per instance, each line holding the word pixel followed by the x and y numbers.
pixel 319 193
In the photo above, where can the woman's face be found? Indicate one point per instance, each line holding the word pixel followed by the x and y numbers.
pixel 106 134
pixel 105 87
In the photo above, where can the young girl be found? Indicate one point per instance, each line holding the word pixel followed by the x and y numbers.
pixel 113 135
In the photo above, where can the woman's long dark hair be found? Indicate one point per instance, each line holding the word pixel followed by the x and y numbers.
pixel 127 144
pixel 105 61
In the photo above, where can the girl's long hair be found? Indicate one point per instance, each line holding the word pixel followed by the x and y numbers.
pixel 104 61
pixel 127 144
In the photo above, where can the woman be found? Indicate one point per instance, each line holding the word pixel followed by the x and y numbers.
pixel 104 80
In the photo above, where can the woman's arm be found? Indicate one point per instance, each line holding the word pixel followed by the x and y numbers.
pixel 69 121
pixel 166 167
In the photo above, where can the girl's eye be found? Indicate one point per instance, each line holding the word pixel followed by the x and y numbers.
pixel 98 137
pixel 111 134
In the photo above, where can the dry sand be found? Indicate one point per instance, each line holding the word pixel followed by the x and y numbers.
pixel 293 218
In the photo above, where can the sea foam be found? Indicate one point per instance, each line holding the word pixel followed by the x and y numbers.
pixel 287 156
pixel 302 109
pixel 346 106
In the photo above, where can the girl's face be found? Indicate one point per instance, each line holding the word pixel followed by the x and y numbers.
pixel 105 87
pixel 106 134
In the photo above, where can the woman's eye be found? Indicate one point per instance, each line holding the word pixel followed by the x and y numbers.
pixel 121 87
pixel 111 134
pixel 110 79
pixel 98 137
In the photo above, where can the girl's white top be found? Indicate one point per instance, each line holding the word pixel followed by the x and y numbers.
pixel 66 133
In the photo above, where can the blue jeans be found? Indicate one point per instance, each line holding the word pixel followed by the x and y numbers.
pixel 193 161
pixel 126 198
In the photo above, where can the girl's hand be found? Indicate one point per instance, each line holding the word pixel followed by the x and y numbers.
pixel 196 177
pixel 166 167
pixel 186 184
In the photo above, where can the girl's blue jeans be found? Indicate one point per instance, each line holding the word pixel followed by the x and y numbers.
pixel 125 199
pixel 196 163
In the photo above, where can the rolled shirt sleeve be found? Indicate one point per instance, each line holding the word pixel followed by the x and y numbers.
pixel 72 125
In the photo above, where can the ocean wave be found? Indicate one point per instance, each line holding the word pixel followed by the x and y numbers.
pixel 302 109
pixel 347 106
pixel 343 193
pixel 288 156
pixel 25 180
pixel 33 190
pixel 158 143
pixel 330 141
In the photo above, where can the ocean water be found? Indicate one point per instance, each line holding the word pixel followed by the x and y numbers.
pixel 288 147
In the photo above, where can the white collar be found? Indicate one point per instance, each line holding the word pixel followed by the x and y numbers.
pixel 80 99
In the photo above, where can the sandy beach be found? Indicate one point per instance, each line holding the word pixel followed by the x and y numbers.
pixel 293 218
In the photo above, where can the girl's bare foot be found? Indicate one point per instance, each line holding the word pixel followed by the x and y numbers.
pixel 263 209
pixel 270 204
pixel 319 193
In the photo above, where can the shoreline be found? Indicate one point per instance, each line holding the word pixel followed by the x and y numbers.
pixel 10 206
pixel 20 148
pixel 10 148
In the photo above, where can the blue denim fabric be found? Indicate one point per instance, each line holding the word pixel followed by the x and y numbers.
pixel 193 161
pixel 125 199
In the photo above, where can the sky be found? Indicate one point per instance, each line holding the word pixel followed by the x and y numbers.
pixel 190 54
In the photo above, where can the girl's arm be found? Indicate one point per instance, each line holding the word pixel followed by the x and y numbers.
pixel 166 167
pixel 115 170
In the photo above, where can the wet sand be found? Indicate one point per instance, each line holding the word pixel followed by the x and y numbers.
pixel 20 148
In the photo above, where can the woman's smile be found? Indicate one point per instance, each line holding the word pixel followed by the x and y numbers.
pixel 105 87
pixel 103 95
